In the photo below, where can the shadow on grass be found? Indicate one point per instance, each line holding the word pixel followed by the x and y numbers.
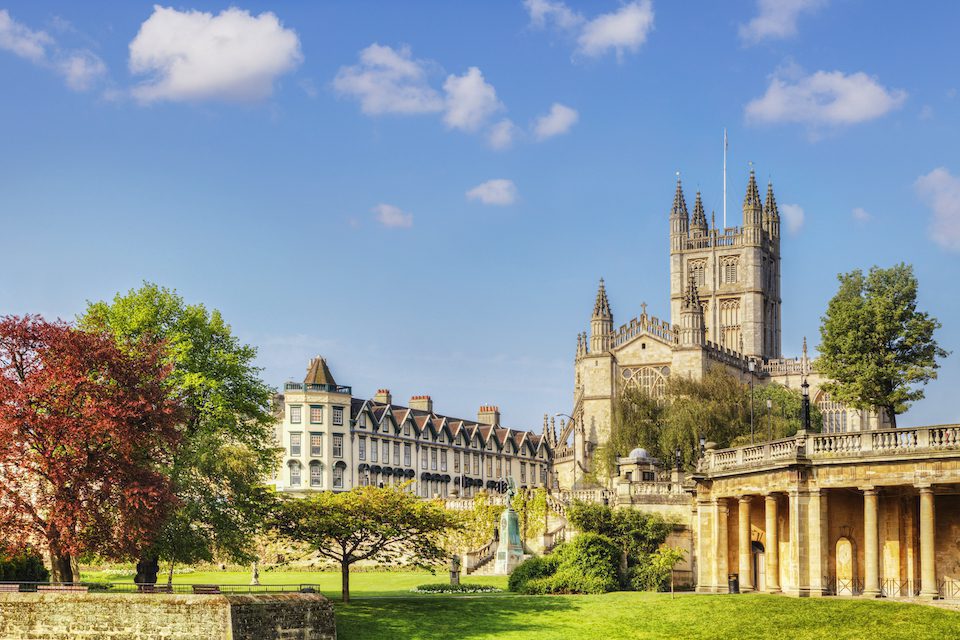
pixel 446 616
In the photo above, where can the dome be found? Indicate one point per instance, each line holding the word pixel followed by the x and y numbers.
pixel 639 453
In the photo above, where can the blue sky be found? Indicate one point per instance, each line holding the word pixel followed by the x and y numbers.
pixel 427 193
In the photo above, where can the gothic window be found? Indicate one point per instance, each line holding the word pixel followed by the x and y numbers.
pixel 652 380
pixel 728 269
pixel 730 323
pixel 834 414
pixel 698 270
pixel 706 316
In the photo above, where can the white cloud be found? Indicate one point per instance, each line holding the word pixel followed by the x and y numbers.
pixel 80 68
pixel 558 121
pixel 861 215
pixel 471 100
pixel 941 192
pixel 824 98
pixel 393 217
pixel 501 135
pixel 776 19
pixel 794 215
pixel 543 12
pixel 623 30
pixel 23 41
pixel 500 192
pixel 388 80
pixel 192 55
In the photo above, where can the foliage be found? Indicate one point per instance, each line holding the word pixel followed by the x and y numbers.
pixel 636 534
pixel 531 508
pixel 783 419
pixel 227 447
pixel 588 564
pixel 716 408
pixel 477 525
pixel 84 429
pixel 25 565
pixel 653 574
pixel 532 568
pixel 463 587
pixel 876 346
pixel 367 523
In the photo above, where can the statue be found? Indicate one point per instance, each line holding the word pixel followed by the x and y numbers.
pixel 455 570
pixel 510 547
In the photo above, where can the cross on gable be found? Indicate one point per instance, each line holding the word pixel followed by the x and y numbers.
pixel 643 305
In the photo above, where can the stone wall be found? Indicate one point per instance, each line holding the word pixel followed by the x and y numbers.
pixel 115 616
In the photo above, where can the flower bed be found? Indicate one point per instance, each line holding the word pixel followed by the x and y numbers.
pixel 465 587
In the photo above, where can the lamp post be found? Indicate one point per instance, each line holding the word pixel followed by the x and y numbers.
pixel 769 420
pixel 752 366
pixel 805 405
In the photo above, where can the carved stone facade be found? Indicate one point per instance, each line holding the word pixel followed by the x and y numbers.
pixel 724 311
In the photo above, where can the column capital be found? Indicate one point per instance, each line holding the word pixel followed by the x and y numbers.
pixel 770 496
pixel 868 491
pixel 745 498
pixel 924 487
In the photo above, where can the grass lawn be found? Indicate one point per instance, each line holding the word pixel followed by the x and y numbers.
pixel 386 583
pixel 624 615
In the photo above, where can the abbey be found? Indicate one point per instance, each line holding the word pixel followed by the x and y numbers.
pixel 725 310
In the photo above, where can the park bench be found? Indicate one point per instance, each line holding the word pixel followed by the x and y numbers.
pixel 206 589
pixel 62 588
pixel 9 588
pixel 155 588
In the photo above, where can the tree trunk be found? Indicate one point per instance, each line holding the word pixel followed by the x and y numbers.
pixel 170 575
pixel 60 568
pixel 345 581
pixel 893 417
pixel 624 578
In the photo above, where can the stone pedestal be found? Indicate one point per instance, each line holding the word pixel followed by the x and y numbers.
pixel 510 547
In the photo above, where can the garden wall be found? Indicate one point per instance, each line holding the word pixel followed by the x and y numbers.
pixel 63 616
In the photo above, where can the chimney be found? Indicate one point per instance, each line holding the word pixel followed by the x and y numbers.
pixel 383 396
pixel 489 414
pixel 421 403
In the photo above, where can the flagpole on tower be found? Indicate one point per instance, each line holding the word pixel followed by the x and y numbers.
pixel 724 177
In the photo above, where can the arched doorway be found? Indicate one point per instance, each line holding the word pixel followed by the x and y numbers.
pixel 846 569
pixel 759 566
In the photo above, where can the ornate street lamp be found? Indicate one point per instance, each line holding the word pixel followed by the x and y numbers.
pixel 805 406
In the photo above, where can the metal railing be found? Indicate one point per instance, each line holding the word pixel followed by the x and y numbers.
pixel 176 588
pixel 329 388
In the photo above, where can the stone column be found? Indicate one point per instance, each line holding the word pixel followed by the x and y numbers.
pixel 744 547
pixel 871 544
pixel 722 560
pixel 772 550
pixel 928 557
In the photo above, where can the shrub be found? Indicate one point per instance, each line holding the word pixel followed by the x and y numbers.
pixel 586 565
pixel 23 566
pixel 653 572
pixel 532 569
pixel 464 587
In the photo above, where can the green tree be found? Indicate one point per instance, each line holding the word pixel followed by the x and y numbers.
pixel 531 508
pixel 227 446
pixel 875 345
pixel 478 525
pixel 638 420
pixel 367 523
pixel 783 418
pixel 636 534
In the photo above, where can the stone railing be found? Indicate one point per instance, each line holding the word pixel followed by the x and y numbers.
pixel 650 489
pixel 473 560
pixel 645 324
pixel 832 446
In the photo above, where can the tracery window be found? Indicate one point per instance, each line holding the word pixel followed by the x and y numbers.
pixel 728 269
pixel 834 414
pixel 652 380
pixel 698 269
pixel 730 323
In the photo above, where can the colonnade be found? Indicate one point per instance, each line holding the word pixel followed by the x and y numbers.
pixel 808 541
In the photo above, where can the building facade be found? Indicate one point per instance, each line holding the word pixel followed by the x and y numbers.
pixel 332 440
pixel 872 513
pixel 725 311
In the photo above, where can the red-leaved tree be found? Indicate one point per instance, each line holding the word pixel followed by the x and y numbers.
pixel 84 428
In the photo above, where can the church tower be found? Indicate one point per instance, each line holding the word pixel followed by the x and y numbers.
pixel 601 323
pixel 736 272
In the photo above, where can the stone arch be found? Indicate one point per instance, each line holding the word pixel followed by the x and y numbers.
pixel 846 567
